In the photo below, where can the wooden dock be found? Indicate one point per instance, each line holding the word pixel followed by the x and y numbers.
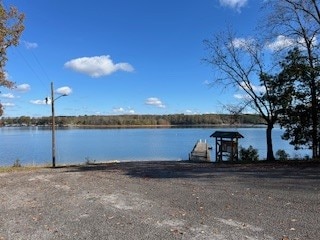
pixel 200 152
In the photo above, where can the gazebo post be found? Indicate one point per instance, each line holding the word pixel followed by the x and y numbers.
pixel 232 154
pixel 237 152
pixel 220 150
pixel 216 149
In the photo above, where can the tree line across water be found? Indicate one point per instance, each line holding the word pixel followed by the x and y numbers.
pixel 137 120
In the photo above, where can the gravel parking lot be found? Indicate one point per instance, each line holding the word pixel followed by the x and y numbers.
pixel 162 200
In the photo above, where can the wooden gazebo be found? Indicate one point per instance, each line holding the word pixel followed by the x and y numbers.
pixel 226 145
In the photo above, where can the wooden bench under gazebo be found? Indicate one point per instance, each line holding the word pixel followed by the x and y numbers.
pixel 226 145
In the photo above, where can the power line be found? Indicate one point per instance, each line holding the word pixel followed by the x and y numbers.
pixel 33 70
pixel 41 66
pixel 45 85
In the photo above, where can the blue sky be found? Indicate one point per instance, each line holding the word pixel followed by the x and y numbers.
pixel 120 56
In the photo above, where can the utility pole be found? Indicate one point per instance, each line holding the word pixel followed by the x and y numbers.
pixel 53 129
pixel 54 124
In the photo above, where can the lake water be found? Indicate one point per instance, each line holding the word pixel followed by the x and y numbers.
pixel 32 145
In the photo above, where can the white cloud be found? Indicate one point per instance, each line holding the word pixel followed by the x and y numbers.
pixel 23 87
pixel 97 66
pixel 41 102
pixel 234 4
pixel 190 112
pixel 8 104
pixel 122 110
pixel 61 91
pixel 243 43
pixel 30 45
pixel 256 89
pixel 118 110
pixel 7 95
pixel 207 83
pixel 282 42
pixel 155 102
pixel 259 89
pixel 241 96
pixel 64 90
pixel 302 43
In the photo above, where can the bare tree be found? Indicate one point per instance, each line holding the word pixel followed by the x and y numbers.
pixel 235 111
pixel 239 64
pixel 298 23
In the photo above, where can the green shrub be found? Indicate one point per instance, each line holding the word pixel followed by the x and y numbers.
pixel 307 158
pixel 249 154
pixel 89 161
pixel 282 155
pixel 17 163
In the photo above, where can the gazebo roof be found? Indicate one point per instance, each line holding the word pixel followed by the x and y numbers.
pixel 225 134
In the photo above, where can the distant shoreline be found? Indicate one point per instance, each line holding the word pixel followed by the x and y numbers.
pixel 139 120
pixel 170 126
pixel 145 126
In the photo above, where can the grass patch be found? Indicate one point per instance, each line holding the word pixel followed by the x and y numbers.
pixel 19 169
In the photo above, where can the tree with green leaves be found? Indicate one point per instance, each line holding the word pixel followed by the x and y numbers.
pixel 297 77
pixel 11 28
pixel 297 24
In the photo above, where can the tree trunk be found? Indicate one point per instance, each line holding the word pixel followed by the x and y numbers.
pixel 270 156
pixel 314 110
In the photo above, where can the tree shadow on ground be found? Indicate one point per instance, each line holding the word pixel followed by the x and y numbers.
pixel 187 169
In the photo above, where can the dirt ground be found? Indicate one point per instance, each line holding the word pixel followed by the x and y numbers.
pixel 162 200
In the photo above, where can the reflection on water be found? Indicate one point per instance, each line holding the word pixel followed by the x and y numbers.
pixel 33 145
